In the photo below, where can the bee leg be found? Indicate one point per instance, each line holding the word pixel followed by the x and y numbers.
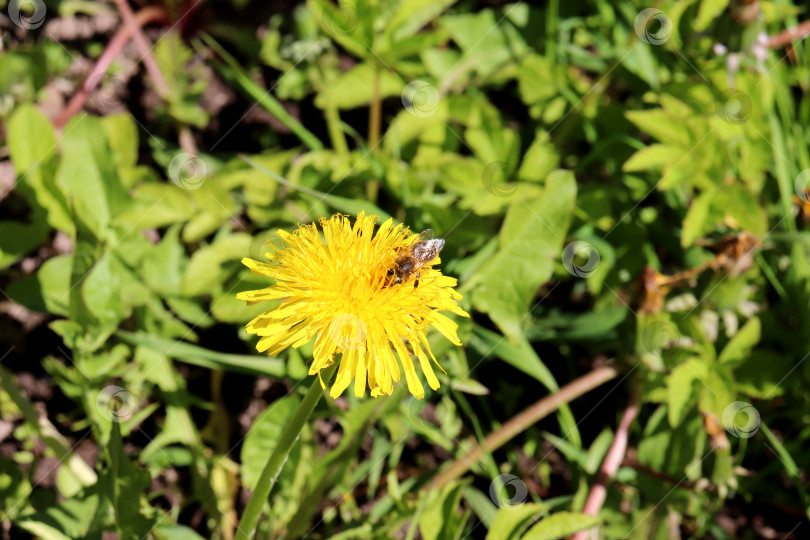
pixel 416 281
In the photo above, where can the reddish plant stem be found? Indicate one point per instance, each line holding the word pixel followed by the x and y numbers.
pixel 523 420
pixel 784 37
pixel 144 48
pixel 114 47
pixel 610 465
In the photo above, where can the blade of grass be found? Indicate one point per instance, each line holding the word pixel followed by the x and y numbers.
pixel 790 466
pixel 343 204
pixel 46 431
pixel 234 72
pixel 200 356
pixel 523 420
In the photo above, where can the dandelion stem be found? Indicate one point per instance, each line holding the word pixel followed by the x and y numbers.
pixel 253 510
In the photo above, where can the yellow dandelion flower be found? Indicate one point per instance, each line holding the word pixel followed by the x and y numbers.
pixel 343 290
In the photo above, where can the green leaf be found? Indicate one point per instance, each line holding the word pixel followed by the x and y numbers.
pixel 738 202
pixel 199 356
pixel 740 346
pixel 761 372
pixel 101 290
pixel 789 465
pixel 85 254
pixel 440 519
pixel 47 291
pixel 682 388
pixel 560 525
pixel 483 49
pixel 652 157
pixel 175 532
pixel 510 521
pixel 73 518
pixel 163 271
pixel 496 145
pixel 89 174
pixel 124 483
pixel 695 224
pixel 156 205
pixel 122 134
pixel 262 438
pixel 211 265
pixel 341 24
pixel 482 505
pixel 662 125
pixel 354 88
pixel 708 12
pixel 343 204
pixel 719 389
pixel 411 15
pixel 522 356
pixel 540 159
pixel 531 238
pixel 17 239
pixel 32 146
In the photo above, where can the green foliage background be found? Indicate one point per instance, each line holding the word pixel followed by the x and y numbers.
pixel 561 150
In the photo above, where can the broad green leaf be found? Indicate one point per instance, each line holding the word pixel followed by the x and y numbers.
pixel 47 291
pixel 342 24
pixel 89 175
pixel 509 522
pixel 738 202
pixel 485 51
pixel 17 239
pixel 708 12
pixel 226 307
pixel 163 271
pixel 695 223
pixel 411 15
pixel 739 347
pixel 262 438
pixel 719 389
pixel 531 238
pixel 560 525
pixel 664 126
pixel 156 205
pixel 641 61
pixel 761 372
pixel 124 483
pixel 440 519
pixel 86 253
pixel 540 159
pixel 175 532
pixel 344 204
pixel 210 265
pixel 354 88
pixel 482 505
pixel 122 134
pixel 71 519
pixel 652 156
pixel 682 387
pixel 495 145
pixel 32 146
pixel 536 79
pixel 101 290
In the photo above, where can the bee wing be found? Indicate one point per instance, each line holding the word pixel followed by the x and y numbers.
pixel 425 235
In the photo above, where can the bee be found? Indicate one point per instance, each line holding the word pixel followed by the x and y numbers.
pixel 414 257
